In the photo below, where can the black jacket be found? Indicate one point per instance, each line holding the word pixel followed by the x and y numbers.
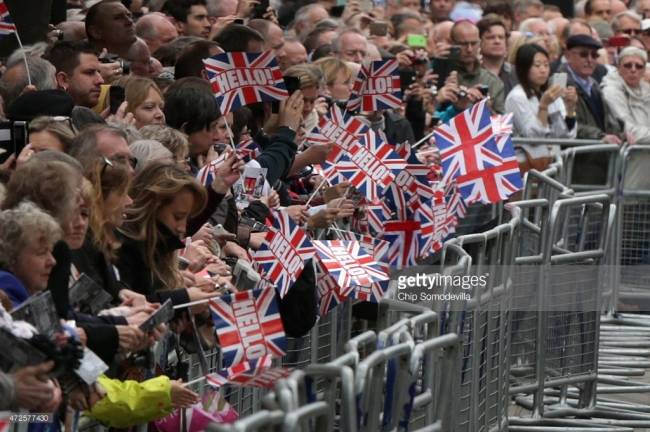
pixel 278 153
pixel 397 128
pixel 138 276
pixel 91 261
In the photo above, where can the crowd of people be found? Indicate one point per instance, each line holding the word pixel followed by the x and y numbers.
pixel 120 193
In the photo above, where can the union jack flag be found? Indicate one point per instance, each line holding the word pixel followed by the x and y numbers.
pixel 248 150
pixel 491 185
pixel 7 25
pixel 377 214
pixel 340 128
pixel 402 237
pixel 282 256
pixel 502 124
pixel 329 295
pixel 377 87
pixel 255 373
pixel 206 174
pixel 349 264
pixel 248 325
pixel 241 78
pixel 372 164
pixel 374 246
pixel 467 144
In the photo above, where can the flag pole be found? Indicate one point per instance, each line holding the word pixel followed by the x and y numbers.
pixel 195 381
pixel 22 50
pixel 316 191
pixel 232 140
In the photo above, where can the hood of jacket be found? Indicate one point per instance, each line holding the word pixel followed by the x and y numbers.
pixel 615 80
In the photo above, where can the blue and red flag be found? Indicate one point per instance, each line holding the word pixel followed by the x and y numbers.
pixel 7 25
pixel 248 325
pixel 340 128
pixel 471 156
pixel 241 78
pixel 371 165
pixel 282 256
pixel 255 373
pixel 377 87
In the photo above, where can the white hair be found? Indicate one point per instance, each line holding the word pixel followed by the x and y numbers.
pixel 527 23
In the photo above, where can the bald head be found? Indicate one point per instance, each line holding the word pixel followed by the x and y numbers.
pixel 617 7
pixel 556 26
pixel 156 30
pixel 140 58
pixel 442 31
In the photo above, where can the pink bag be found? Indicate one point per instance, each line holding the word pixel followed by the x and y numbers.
pixel 212 408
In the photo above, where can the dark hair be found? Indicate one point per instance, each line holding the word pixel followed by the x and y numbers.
pixel 588 9
pixel 192 106
pixel 180 9
pixel 82 117
pixel 499 7
pixel 94 17
pixel 168 54
pixel 190 61
pixel 237 37
pixel 65 55
pixel 525 59
pixel 321 52
pixel 311 39
pixel 260 25
pixel 191 82
pixel 490 21
pixel 240 118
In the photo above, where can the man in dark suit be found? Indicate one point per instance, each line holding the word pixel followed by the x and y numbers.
pixel 592 114
pixel 573 28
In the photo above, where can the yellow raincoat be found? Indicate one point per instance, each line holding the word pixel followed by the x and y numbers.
pixel 129 403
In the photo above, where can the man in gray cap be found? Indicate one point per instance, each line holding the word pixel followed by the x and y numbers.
pixel 592 115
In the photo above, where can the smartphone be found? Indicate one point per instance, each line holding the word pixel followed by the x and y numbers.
pixel 416 41
pixel 239 21
pixel 183 263
pixel 220 147
pixel 292 84
pixel 6 143
pixel 407 77
pixel 260 10
pixel 619 41
pixel 19 136
pixel 116 97
pixel 366 6
pixel 440 66
pixel 485 90
pixel 337 11
pixel 558 78
pixel 378 28
pixel 434 122
pixel 219 229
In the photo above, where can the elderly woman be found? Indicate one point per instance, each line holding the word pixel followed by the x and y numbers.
pixel 626 95
pixel 27 237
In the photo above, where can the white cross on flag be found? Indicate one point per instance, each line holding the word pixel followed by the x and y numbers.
pixel 377 87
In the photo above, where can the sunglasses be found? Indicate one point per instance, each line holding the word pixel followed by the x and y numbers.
pixel 633 66
pixel 64 119
pixel 632 32
pixel 122 158
pixel 107 163
pixel 585 54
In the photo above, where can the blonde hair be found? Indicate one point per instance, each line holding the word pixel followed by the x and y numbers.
pixel 136 91
pixel 156 186
pixel 105 178
pixel 62 129
pixel 331 67
pixel 522 40
pixel 172 139
pixel 309 75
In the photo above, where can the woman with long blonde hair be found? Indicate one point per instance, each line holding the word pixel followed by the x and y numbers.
pixel 164 198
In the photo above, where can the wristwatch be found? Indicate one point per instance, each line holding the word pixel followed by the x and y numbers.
pixel 257 226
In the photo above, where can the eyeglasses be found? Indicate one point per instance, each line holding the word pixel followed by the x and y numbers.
pixel 353 53
pixel 122 158
pixel 107 163
pixel 633 65
pixel 64 119
pixel 632 32
pixel 585 54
